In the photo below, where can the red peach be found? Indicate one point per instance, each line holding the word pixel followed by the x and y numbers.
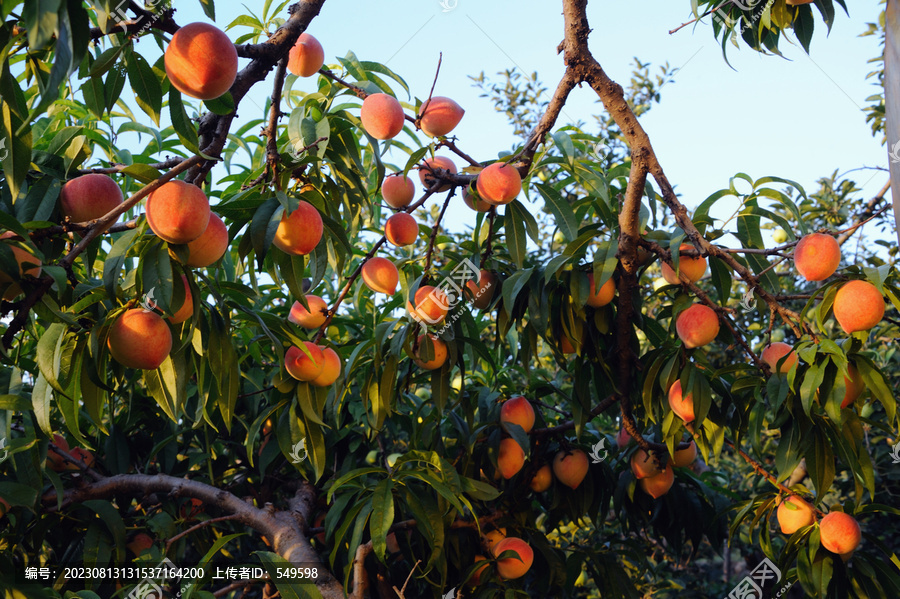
pixel 23 258
pixel 793 514
pixel 187 307
pixel 510 459
pixel 858 306
pixel 210 246
pixel 817 256
pixel 839 533
pixel 482 292
pixel 517 410
pixel 89 197
pixel 438 162
pixel 401 229
pixel 499 183
pixel 601 297
pixel 201 61
pixel 330 371
pixel 380 275
pixel 570 467
pixel 431 304
pixel 382 116
pixel 178 212
pixel 304 367
pixel 542 479
pixel 440 353
pixel 312 318
pixel 439 116
pixel 511 567
pixel 398 190
pixel 697 325
pixel 774 352
pixel 306 57
pixel 693 267
pixel 659 485
pixel 300 232
pixel 682 405
pixel 139 339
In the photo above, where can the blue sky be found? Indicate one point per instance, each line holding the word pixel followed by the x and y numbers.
pixel 798 117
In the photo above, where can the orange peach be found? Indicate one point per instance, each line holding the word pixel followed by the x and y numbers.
pixel 566 346
pixel 599 298
pixel 426 176
pixel 793 514
pixel 55 461
pixel 542 479
pixel 482 292
pixel 187 307
pixel 89 197
pixel 643 465
pixel 685 457
pixel 201 61
pixel 5 507
pixel 697 325
pixel 476 576
pixel 312 318
pixel 858 306
pixel 682 405
pixel 817 256
pixel 493 537
pixel 82 455
pixel 139 338
pixel 517 410
pixel 477 205
pixel 431 304
pixel 382 116
pixel 401 229
pixel 513 567
pixel 211 244
pixel 140 543
pixel 303 366
pixel 693 267
pixel 510 459
pixel 24 259
pixel 398 190
pixel 659 485
pixel 499 183
pixel 439 116
pixel 440 353
pixel 330 371
pixel 839 533
pixel 178 212
pixel 380 275
pixel 570 467
pixel 853 386
pixel 772 353
pixel 300 232
pixel 306 56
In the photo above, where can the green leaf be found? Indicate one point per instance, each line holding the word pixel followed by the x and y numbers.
pixel 15 148
pixel 382 516
pixel 515 237
pixel 182 124
pixel 113 521
pixel 209 8
pixel 223 105
pixel 41 20
pixel 561 209
pixel 48 354
pixel 115 260
pixel 147 89
pixel 142 172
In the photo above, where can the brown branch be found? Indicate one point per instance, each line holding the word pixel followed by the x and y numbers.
pixel 868 213
pixel 435 228
pixel 145 20
pixel 273 158
pixel 360 576
pixel 570 424
pixel 549 118
pixel 437 72
pixel 241 584
pixel 400 592
pixel 492 215
pixel 451 145
pixel 197 527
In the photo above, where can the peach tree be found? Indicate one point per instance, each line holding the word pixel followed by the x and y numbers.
pixel 265 352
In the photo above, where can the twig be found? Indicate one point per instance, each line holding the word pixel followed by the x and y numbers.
pixel 196 527
pixel 360 577
pixel 430 93
pixel 400 592
pixel 435 228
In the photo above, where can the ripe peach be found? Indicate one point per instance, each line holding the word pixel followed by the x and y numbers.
pixel 211 244
pixel 88 197
pixel 438 162
pixel 682 405
pixel 643 465
pixel 331 371
pixel 839 533
pixel 393 546
pixel 306 56
pixel 187 308
pixel 439 116
pixel 512 567
pixel 381 275
pixel 774 352
pixel 201 61
pixel 659 485
pixel 431 306
pixel 510 459
pixel 571 467
pixel 23 258
pixel 601 297
pixel 493 537
pixel 55 461
pixel 300 232
pixel 401 229
pixel 178 212
pixel 696 326
pixel 623 438
pixel 482 292
pixel 82 455
pixel 5 507
pixel 858 306
pixel 499 183
pixel 140 543
pixel 685 457
pixel 312 318
pixel 476 205
pixel 476 576
pixel 517 410
pixel 139 339
pixel 793 514
pixel 304 367
pixel 817 256
pixel 398 190
pixel 566 347
pixel 854 386
pixel 542 479
pixel 382 116
pixel 440 353
pixel 693 267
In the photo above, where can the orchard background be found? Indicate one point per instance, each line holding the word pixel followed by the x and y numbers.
pixel 286 409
